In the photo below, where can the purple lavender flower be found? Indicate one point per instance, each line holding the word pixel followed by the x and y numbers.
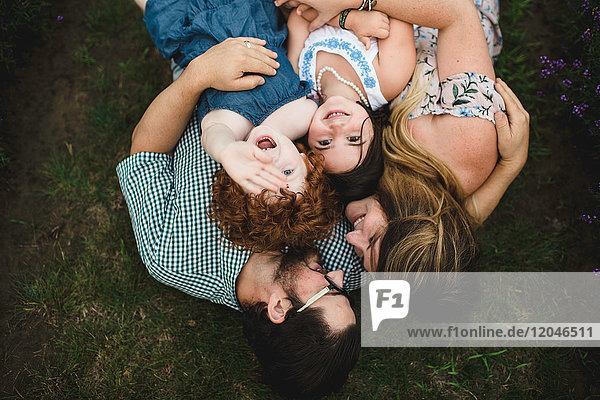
pixel 60 19
pixel 567 83
pixel 597 272
pixel 564 98
pixel 585 4
pixel 598 90
pixel 587 35
pixel 577 63
pixel 578 109
pixel 541 94
pixel 560 63
pixel 550 67
pixel 545 73
pixel 590 219
pixel 587 74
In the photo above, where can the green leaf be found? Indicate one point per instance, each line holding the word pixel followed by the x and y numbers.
pixel 459 102
pixel 455 91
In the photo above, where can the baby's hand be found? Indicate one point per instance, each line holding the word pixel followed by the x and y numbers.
pixel 251 168
pixel 367 24
pixel 513 132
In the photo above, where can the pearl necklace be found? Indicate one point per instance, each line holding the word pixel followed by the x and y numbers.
pixel 362 97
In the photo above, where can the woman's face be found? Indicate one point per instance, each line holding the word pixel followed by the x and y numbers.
pixel 335 132
pixel 369 220
pixel 284 153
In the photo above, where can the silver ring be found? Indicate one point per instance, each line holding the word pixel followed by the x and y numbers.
pixel 248 45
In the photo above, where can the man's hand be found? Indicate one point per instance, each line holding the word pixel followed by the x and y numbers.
pixel 223 66
pixel 367 24
pixel 251 168
pixel 513 132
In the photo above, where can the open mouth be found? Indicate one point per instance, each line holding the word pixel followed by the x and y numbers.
pixel 265 143
pixel 335 114
pixel 358 219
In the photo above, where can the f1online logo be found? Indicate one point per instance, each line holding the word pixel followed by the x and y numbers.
pixel 389 300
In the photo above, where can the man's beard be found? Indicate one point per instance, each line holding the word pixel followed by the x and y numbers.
pixel 286 276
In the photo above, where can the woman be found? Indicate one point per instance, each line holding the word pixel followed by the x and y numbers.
pixel 441 149
pixel 270 196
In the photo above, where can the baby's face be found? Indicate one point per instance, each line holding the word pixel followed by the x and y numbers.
pixel 286 156
pixel 335 132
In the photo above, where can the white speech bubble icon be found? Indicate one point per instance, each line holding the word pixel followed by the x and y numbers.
pixel 389 300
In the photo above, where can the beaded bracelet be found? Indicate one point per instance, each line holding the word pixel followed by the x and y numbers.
pixel 343 16
pixel 367 3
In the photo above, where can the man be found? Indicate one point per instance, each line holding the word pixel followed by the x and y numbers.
pixel 303 332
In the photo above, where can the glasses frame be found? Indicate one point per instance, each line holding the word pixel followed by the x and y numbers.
pixel 332 286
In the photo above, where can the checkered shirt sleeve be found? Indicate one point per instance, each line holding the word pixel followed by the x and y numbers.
pixel 168 197
pixel 337 253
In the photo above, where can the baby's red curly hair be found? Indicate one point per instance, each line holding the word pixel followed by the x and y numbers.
pixel 262 223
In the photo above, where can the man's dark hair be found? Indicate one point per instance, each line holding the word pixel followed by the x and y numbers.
pixel 301 357
pixel 361 181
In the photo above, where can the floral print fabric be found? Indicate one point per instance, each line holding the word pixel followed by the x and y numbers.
pixel 465 94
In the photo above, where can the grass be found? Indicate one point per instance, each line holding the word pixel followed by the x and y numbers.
pixel 117 333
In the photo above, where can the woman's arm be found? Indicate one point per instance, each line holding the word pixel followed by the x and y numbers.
pixel 221 67
pixel 513 141
pixel 461 42
pixel 432 13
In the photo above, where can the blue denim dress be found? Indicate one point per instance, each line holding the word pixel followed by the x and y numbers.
pixel 184 29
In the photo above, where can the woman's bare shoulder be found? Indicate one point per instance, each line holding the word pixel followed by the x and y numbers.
pixel 467 145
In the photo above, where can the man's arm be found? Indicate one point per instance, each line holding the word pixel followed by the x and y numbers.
pixel 221 67
pixel 513 141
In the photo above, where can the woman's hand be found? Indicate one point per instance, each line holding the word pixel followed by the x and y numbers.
pixel 513 139
pixel 367 24
pixel 513 132
pixel 224 65
pixel 251 168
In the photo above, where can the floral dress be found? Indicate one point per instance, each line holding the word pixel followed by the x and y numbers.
pixel 466 94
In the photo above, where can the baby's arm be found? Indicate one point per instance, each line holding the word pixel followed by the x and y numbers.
pixel 297 34
pixel 396 59
pixel 223 134
pixel 513 141
pixel 364 24
pixel 293 119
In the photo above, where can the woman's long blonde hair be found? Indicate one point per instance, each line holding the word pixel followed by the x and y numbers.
pixel 428 227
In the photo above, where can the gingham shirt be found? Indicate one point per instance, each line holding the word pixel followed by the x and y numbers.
pixel 168 198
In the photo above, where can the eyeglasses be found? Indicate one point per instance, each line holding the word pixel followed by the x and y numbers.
pixel 325 290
